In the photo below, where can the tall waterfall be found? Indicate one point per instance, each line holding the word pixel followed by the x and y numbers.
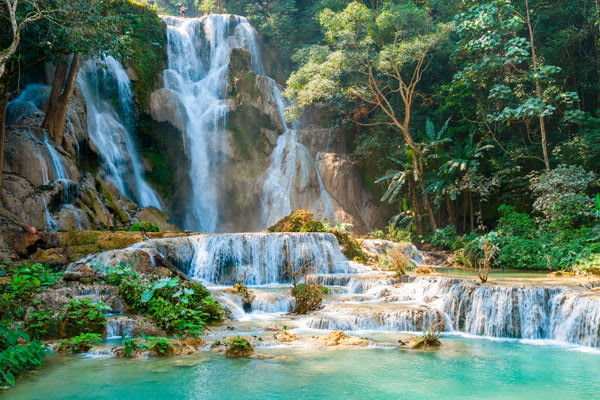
pixel 110 129
pixel 199 51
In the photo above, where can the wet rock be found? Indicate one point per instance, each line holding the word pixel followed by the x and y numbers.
pixel 166 106
pixel 153 214
pixel 285 337
pixel 339 338
pixel 423 343
pixel 262 356
pixel 425 271
pixel 238 346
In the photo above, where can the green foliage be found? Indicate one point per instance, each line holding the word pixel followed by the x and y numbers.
pixel 145 226
pixel 445 238
pixel 79 344
pixel 18 352
pixel 83 316
pixel 161 345
pixel 18 291
pixel 238 344
pixel 180 307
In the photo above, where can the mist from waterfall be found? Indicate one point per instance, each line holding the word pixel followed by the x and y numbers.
pixel 111 129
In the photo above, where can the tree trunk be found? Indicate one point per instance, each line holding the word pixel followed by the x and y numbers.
pixel 3 104
pixel 451 215
pixel 63 87
pixel 415 206
pixel 432 221
pixel 471 212
pixel 538 89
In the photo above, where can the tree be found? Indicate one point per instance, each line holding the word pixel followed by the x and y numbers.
pixel 207 7
pixel 502 68
pixel 377 58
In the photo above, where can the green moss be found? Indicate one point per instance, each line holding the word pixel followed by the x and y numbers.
pixel 148 50
pixel 112 206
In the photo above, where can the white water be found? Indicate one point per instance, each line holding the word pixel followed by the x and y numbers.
pixel 362 299
pixel 199 51
pixel 292 180
pixel 110 129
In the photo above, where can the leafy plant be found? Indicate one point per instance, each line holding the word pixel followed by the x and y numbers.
pixel 145 226
pixel 18 352
pixel 160 344
pixel 83 316
pixel 79 344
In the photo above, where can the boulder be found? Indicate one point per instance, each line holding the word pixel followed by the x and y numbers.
pixel 285 337
pixel 153 214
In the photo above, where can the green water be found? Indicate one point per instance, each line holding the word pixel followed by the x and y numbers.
pixel 462 369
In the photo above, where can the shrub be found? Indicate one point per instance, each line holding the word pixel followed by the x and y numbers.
pixel 445 238
pixel 308 297
pixel 79 344
pixel 19 291
pixel 18 352
pixel 555 190
pixel 589 266
pixel 145 226
pixel 238 346
pixel 160 345
pixel 294 222
pixel 180 307
pixel 83 316
pixel 396 260
pixel 350 246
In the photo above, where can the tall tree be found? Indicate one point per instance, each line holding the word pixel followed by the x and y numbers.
pixel 377 58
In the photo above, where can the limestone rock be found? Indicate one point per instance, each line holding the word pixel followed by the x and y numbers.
pixel 166 106
pixel 153 214
pixel 285 337
pixel 339 338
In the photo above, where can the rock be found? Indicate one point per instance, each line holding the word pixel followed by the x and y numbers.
pixel 262 356
pixel 339 338
pixel 28 243
pixel 353 204
pixel 238 346
pixel 281 358
pixel 285 337
pixel 425 271
pixel 166 106
pixel 153 214
pixel 379 247
pixel 556 274
pixel 423 343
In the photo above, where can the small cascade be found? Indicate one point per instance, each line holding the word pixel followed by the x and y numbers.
pixel 119 326
pixel 292 180
pixel 51 225
pixel 110 129
pixel 31 101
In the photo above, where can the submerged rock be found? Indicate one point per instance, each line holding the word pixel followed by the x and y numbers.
pixel 285 337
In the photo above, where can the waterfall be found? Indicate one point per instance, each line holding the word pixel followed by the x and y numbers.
pixel 199 51
pixel 31 101
pixel 110 129
pixel 290 178
pixel 51 225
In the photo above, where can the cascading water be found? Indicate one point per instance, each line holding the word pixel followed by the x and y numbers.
pixel 110 130
pixel 199 51
pixel 289 182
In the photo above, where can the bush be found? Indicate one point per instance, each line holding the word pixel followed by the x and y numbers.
pixel 79 344
pixel 145 226
pixel 180 307
pixel 83 316
pixel 238 346
pixel 589 266
pixel 445 238
pixel 18 352
pixel 392 234
pixel 308 297
pixel 19 291
pixel 160 345
pixel 396 260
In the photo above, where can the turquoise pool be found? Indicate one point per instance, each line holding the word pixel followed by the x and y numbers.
pixel 462 369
